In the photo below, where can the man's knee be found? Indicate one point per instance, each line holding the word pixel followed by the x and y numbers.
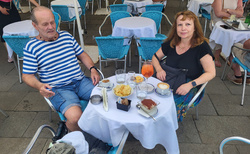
pixel 73 114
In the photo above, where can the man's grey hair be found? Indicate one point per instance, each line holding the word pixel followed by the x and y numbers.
pixel 36 9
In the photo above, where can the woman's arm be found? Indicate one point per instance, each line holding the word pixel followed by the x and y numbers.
pixel 160 73
pixel 209 73
pixel 218 10
pixel 4 10
pixel 34 2
pixel 238 11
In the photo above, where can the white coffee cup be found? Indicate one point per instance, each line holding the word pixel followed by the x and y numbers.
pixel 105 83
pixel 163 88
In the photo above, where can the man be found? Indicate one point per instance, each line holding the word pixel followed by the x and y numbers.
pixel 53 55
pixel 244 57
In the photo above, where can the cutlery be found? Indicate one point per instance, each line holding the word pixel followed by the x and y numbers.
pixel 139 107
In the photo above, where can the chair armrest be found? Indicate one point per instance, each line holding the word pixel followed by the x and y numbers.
pixel 100 27
pixel 50 104
pixel 196 95
pixel 231 139
pixel 167 18
pixel 122 143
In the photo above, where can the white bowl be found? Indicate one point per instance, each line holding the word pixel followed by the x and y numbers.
pixel 131 92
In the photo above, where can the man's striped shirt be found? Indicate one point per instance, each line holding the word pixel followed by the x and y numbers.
pixel 55 62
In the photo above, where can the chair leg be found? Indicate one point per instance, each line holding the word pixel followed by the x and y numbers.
pixel 224 69
pixel 116 66
pixel 205 27
pixel 139 64
pixel 125 63
pixel 5 114
pixel 92 11
pixel 74 28
pixel 244 87
pixel 85 25
pixel 100 63
pixel 19 70
pixel 129 59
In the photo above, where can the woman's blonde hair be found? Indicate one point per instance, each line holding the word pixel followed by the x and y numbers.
pixel 198 37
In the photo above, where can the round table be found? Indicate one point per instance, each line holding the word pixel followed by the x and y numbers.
pixel 226 37
pixel 110 126
pixel 138 6
pixel 134 26
pixel 24 28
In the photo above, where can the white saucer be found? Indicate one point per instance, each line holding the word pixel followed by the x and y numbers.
pixel 150 88
pixel 109 87
pixel 153 112
pixel 166 95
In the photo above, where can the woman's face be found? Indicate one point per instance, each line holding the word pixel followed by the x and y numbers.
pixel 185 29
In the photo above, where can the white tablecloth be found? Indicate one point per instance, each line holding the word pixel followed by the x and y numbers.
pixel 69 3
pixel 110 126
pixel 226 37
pixel 134 26
pixel 24 28
pixel 136 5
pixel 194 5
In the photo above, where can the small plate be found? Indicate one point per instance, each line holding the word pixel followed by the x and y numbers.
pixel 141 80
pixel 166 95
pixel 131 92
pixel 110 87
pixel 152 113
pixel 150 88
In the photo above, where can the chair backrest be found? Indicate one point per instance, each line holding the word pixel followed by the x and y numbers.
pixel 63 11
pixel 233 138
pixel 83 5
pixel 149 46
pixel 16 43
pixel 110 47
pixel 154 7
pixel 57 19
pixel 114 16
pixel 118 7
pixel 154 15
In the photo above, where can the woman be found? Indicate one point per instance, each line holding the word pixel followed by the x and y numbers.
pixel 186 48
pixel 224 9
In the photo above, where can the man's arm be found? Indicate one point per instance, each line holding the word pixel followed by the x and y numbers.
pixel 32 81
pixel 87 61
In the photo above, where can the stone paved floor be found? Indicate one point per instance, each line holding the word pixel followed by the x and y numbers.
pixel 220 113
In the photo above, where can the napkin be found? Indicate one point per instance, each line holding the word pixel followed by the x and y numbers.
pixel 105 99
pixel 241 26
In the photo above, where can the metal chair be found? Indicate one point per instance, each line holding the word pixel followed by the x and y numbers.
pixel 206 15
pixel 83 6
pixel 233 138
pixel 147 46
pixel 112 49
pixel 63 11
pixel 114 16
pixel 17 43
pixel 55 135
pixel 154 7
pixel 157 17
pixel 118 7
pixel 5 114
pixel 245 68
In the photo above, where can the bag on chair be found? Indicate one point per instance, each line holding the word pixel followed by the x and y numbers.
pixel 174 77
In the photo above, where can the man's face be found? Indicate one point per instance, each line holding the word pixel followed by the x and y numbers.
pixel 46 25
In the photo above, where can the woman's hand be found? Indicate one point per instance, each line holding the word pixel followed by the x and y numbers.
pixel 4 10
pixel 184 88
pixel 161 75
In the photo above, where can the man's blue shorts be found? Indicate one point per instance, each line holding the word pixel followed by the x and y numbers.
pixel 71 94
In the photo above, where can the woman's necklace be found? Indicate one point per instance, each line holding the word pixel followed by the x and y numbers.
pixel 183 49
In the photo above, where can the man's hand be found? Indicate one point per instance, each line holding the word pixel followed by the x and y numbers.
pixel 95 76
pixel 45 90
pixel 184 88
pixel 4 10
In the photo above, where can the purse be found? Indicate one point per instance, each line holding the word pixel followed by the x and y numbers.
pixel 174 77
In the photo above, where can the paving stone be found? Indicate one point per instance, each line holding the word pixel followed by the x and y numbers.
pixel 7 82
pixel 33 101
pixel 9 100
pixel 16 124
pixel 18 145
pixel 216 86
pixel 230 105
pixel 213 129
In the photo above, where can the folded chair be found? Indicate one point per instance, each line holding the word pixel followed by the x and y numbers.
pixel 233 138
pixel 244 67
pixel 157 17
pixel 17 43
pixel 58 134
pixel 147 46
pixel 112 49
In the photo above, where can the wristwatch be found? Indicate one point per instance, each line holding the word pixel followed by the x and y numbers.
pixel 193 83
pixel 227 10
pixel 92 67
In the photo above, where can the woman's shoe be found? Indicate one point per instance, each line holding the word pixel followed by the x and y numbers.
pixel 10 60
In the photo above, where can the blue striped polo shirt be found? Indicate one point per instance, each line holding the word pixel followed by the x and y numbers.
pixel 55 62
